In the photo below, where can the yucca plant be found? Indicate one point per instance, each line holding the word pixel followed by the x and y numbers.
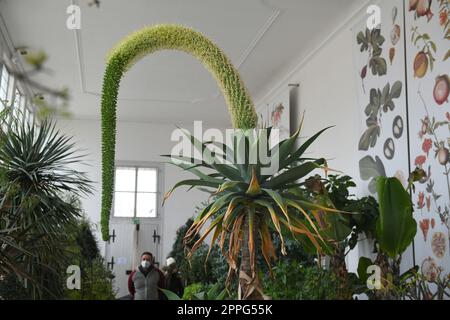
pixel 38 188
pixel 246 203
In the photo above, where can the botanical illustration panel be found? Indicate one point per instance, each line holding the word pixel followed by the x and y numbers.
pixel 276 114
pixel 379 70
pixel 428 65
pixel 379 59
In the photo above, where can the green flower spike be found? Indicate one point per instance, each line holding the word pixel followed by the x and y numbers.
pixel 147 41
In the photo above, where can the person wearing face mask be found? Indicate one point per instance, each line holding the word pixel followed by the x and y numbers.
pixel 144 282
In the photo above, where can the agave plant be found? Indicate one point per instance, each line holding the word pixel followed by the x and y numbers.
pixel 246 203
pixel 37 203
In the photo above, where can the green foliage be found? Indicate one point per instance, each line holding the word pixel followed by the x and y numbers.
pixel 197 269
pixel 38 192
pixel 364 211
pixel 95 277
pixel 214 269
pixel 200 291
pixel 193 289
pixel 248 201
pixel 95 283
pixel 396 227
pixel 420 287
pixel 86 241
pixel 293 281
pixel 11 288
pixel 147 41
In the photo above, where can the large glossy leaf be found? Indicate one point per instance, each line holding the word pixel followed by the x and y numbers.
pixel 170 295
pixel 396 227
pixel 363 264
pixel 339 227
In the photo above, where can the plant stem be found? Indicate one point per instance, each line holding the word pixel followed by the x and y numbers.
pixel 436 139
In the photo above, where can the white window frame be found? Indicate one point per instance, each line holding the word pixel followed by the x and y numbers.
pixel 159 190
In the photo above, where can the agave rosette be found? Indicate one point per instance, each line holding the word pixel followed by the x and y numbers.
pixel 246 203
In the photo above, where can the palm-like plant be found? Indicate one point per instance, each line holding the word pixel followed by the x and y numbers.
pixel 35 209
pixel 246 203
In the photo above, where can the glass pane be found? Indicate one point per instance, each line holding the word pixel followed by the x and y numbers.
pixel 146 205
pixel 17 104
pixel 30 118
pixel 125 179
pixel 4 83
pixel 124 204
pixel 22 105
pixel 25 115
pixel 10 92
pixel 16 98
pixel 147 180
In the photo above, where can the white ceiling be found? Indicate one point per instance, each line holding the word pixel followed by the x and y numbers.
pixel 261 37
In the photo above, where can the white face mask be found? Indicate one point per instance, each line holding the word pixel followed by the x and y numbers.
pixel 145 264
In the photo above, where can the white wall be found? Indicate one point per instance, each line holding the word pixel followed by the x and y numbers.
pixel 327 95
pixel 135 142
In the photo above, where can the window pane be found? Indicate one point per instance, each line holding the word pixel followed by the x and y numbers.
pixel 146 205
pixel 147 180
pixel 3 87
pixel 4 84
pixel 125 179
pixel 25 115
pixel 18 113
pixel 124 204
pixel 10 92
pixel 22 105
pixel 30 118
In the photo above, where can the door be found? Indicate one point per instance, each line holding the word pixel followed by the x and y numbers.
pixel 136 220
pixel 127 242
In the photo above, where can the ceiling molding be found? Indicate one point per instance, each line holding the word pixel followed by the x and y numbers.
pixel 277 85
pixel 242 59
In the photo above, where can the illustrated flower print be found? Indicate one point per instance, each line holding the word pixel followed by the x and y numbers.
pixel 276 115
pixel 438 244
pixel 425 226
pixel 424 127
pixel 427 145
pixel 430 269
pixel 420 160
pixel 420 202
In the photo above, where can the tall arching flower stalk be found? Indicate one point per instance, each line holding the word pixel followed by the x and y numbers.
pixel 251 201
pixel 147 41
